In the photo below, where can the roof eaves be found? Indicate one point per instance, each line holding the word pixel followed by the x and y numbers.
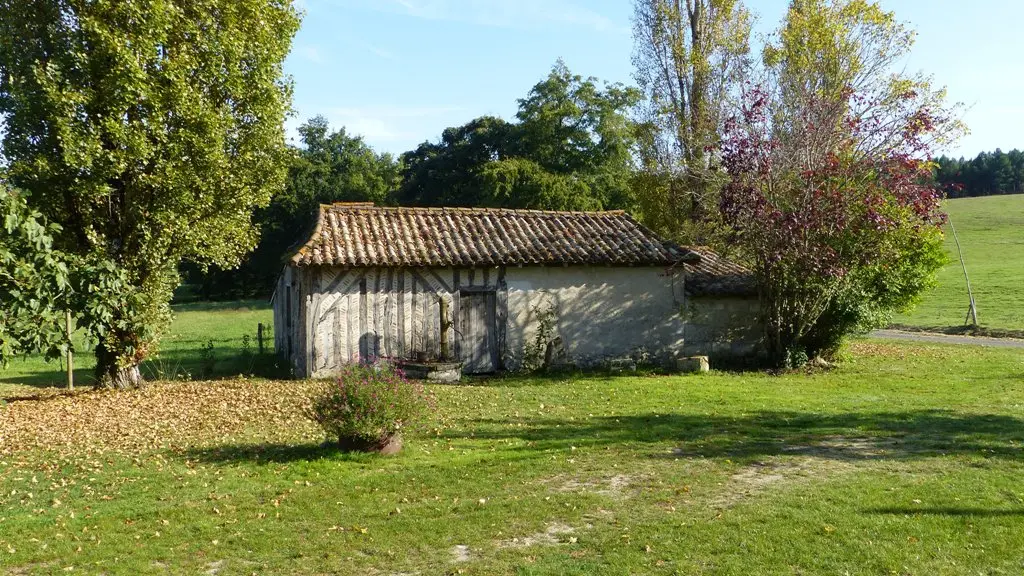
pixel 297 256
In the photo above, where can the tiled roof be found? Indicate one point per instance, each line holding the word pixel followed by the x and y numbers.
pixel 361 234
pixel 713 275
pixel 366 235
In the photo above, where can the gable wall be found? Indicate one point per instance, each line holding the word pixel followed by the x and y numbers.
pixel 288 323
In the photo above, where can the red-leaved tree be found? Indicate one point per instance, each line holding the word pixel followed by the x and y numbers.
pixel 829 192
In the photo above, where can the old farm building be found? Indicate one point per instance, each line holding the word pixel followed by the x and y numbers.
pixel 481 284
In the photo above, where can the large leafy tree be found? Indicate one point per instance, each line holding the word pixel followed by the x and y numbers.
pixel 690 57
pixel 148 130
pixel 569 149
pixel 829 165
pixel 446 173
pixel 330 166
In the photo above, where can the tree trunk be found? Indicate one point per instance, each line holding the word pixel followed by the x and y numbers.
pixel 110 374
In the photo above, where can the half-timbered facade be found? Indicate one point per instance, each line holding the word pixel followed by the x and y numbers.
pixel 487 287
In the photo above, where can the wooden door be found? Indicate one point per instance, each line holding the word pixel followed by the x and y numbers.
pixel 477 332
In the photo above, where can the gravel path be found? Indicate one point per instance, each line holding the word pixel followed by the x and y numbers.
pixel 949 339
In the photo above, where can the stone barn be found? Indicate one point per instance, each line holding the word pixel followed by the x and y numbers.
pixel 497 288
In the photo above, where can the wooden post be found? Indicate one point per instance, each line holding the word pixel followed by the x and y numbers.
pixel 445 325
pixel 972 312
pixel 71 359
pixel 259 336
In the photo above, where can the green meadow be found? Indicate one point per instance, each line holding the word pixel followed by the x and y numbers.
pixel 991 232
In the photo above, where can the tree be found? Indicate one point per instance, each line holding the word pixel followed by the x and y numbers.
pixel 987 173
pixel 829 166
pixel 690 56
pixel 34 282
pixel 570 149
pixel 148 131
pixel 445 173
pixel 331 166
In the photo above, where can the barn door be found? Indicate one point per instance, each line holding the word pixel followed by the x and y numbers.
pixel 477 333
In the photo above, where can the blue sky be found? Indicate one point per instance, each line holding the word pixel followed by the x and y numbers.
pixel 400 71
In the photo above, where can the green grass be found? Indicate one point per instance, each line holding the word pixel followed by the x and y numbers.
pixel 907 459
pixel 991 231
pixel 180 354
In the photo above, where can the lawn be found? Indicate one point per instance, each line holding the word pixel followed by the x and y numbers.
pixel 907 459
pixel 991 231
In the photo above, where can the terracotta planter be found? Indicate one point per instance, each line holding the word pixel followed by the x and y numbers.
pixel 388 445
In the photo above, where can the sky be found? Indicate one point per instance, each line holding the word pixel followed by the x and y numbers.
pixel 398 72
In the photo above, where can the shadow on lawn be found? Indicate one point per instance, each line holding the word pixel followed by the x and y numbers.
pixel 848 436
pixel 273 453
pixel 560 377
pixel 944 511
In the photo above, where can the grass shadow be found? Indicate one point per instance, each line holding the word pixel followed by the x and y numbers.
pixel 944 511
pixel 226 364
pixel 171 365
pixel 55 377
pixel 275 453
pixel 845 436
pixel 962 330
pixel 561 377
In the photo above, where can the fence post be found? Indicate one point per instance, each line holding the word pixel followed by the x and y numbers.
pixel 259 336
pixel 71 359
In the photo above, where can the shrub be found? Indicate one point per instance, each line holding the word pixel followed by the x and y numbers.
pixel 370 403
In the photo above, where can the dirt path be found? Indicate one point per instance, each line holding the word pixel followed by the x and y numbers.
pixel 948 339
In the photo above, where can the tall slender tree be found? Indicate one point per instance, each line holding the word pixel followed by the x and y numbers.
pixel 690 56
pixel 148 130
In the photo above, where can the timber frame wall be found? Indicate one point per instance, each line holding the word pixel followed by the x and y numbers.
pixel 326 317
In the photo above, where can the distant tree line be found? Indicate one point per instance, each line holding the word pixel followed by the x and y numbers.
pixel 986 174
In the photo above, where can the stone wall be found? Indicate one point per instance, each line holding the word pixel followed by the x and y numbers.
pixel 724 328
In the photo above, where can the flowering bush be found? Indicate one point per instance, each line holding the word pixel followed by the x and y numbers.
pixel 369 404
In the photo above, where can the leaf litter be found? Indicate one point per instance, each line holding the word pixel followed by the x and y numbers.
pixel 161 416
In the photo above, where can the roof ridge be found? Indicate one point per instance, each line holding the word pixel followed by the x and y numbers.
pixel 469 209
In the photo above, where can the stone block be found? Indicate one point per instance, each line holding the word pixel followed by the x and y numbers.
pixel 693 364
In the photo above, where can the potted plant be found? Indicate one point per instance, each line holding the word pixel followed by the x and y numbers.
pixel 369 406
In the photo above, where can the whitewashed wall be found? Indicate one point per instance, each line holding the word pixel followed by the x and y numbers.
pixel 601 312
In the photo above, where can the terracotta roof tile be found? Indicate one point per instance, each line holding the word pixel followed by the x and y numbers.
pixel 713 275
pixel 366 235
